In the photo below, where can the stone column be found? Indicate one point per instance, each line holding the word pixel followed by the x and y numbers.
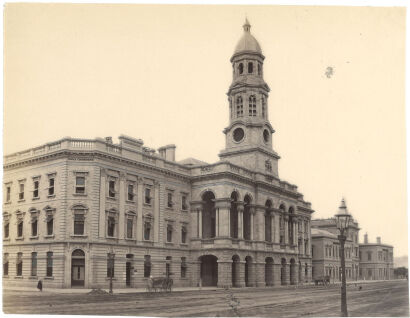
pixel 196 219
pixel 240 208
pixel 121 212
pixel 103 183
pixel 251 274
pixel 241 276
pixel 260 274
pixel 156 203
pixel 309 277
pixel 224 273
pixel 252 212
pixel 294 274
pixel 309 251
pixel 195 273
pixel 295 233
pixel 140 198
pixel 277 228
pixel 223 207
pixel 287 273
pixel 272 227
pixel 302 275
pixel 276 274
pixel 259 224
pixel 285 219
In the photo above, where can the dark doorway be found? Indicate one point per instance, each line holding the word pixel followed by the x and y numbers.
pixel 209 270
pixel 128 274
pixel 269 271
pixel 77 268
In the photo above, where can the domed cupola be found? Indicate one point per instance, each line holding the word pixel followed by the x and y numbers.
pixel 247 43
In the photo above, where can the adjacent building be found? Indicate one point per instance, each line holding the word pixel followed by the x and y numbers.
pixel 326 249
pixel 78 211
pixel 376 260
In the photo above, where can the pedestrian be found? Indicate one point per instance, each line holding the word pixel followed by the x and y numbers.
pixel 40 285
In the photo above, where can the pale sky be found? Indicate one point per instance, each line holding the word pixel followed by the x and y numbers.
pixel 161 73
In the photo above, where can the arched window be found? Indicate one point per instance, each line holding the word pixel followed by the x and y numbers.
pixel 259 69
pixel 263 107
pixel 239 106
pixel 79 226
pixel 268 221
pixel 240 68
pixel 250 67
pixel 252 105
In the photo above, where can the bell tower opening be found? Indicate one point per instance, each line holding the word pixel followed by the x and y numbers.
pixel 249 134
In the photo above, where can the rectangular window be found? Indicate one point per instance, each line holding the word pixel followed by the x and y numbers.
pixel 35 191
pixel 8 194
pixel 51 186
pixel 183 267
pixel 169 233
pixel 111 226
pixel 130 192
pixel 129 228
pixel 110 265
pixel 169 201
pixel 147 266
pixel 111 189
pixel 34 264
pixel 369 256
pixel 78 224
pixel 34 226
pixel 21 191
pixel 183 235
pixel 184 205
pixel 49 271
pixel 6 230
pixel 80 185
pixel 20 228
pixel 19 264
pixel 6 264
pixel 50 225
pixel 147 196
pixel 147 231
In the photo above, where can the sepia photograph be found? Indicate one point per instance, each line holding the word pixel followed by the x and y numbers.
pixel 190 160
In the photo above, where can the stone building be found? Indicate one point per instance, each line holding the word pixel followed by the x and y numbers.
pixel 77 211
pixel 376 260
pixel 326 249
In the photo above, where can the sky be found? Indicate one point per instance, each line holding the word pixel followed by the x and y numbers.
pixel 161 73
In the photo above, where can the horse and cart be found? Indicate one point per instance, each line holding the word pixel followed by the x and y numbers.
pixel 155 284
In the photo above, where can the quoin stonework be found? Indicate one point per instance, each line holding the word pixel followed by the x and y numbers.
pixel 77 211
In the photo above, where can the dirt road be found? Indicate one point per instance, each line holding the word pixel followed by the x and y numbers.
pixel 374 299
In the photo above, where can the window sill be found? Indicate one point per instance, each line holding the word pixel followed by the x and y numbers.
pixel 111 237
pixel 49 277
pixel 111 198
pixel 7 239
pixel 79 235
pixel 80 194
pixel 169 208
pixel 21 200
pixel 8 202
pixel 184 210
pixel 49 236
pixel 131 239
pixel 5 276
pixel 147 204
pixel 18 277
pixel 108 278
pixel 35 198
pixel 51 196
pixel 33 237
pixel 32 277
pixel 184 244
pixel 130 201
pixel 169 243
pixel 19 238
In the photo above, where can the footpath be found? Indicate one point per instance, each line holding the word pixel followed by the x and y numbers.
pixel 14 289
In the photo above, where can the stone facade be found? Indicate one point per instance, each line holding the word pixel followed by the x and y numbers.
pixel 376 260
pixel 76 211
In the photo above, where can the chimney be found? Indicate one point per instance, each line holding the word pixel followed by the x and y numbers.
pixel 379 241
pixel 167 152
pixel 366 241
pixel 108 140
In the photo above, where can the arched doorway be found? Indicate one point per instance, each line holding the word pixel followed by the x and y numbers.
pixel 269 271
pixel 247 218
pixel 300 273
pixel 235 271
pixel 77 268
pixel 248 272
pixel 234 215
pixel 283 272
pixel 209 270
pixel 208 215
pixel 306 272
pixel 292 272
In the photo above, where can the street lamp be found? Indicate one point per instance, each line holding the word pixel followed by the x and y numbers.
pixel 343 219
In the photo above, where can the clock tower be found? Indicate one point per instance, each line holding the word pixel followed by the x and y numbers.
pixel 249 134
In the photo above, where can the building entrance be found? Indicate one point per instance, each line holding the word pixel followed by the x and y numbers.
pixel 209 270
pixel 77 268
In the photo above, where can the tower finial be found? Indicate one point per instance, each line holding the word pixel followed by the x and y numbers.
pixel 247 26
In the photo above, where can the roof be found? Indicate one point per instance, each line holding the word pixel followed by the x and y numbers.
pixel 192 162
pixel 319 232
pixel 247 43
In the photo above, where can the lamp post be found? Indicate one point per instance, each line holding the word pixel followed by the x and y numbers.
pixel 342 223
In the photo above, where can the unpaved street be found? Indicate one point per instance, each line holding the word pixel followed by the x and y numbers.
pixel 374 299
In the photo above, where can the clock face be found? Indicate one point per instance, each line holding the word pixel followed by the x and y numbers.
pixel 238 134
pixel 266 136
